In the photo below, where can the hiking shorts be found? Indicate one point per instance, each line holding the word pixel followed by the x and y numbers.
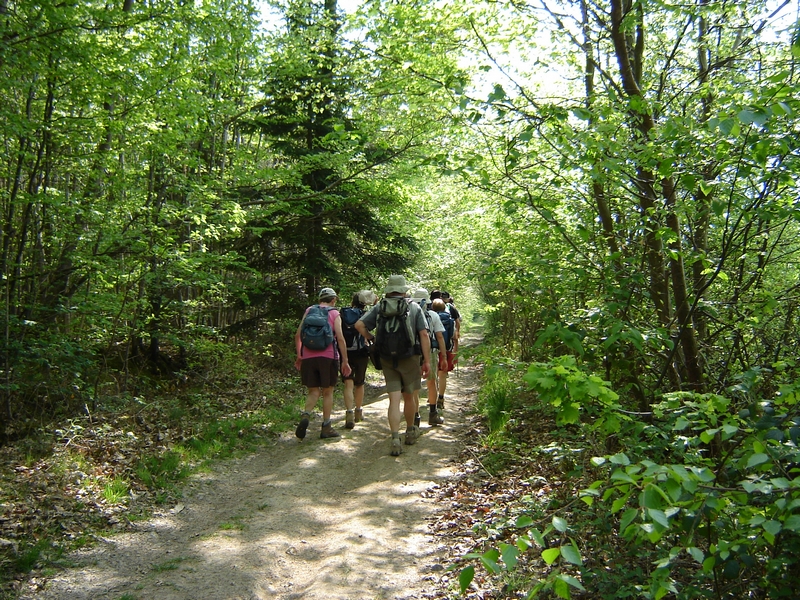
pixel 319 372
pixel 405 378
pixel 358 364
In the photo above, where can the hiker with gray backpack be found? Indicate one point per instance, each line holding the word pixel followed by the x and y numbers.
pixel 320 347
pixel 402 344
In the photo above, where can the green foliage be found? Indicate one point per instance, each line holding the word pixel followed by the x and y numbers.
pixel 562 384
pixel 706 495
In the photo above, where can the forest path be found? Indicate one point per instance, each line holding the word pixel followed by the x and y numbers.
pixel 332 519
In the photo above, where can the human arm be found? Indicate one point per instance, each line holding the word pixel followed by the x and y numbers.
pixel 442 366
pixel 298 345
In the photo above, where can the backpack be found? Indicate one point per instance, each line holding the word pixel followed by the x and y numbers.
pixel 353 340
pixel 449 324
pixel 394 335
pixel 424 306
pixel 316 332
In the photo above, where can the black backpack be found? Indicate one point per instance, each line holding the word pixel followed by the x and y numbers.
pixel 354 341
pixel 449 324
pixel 394 336
pixel 316 332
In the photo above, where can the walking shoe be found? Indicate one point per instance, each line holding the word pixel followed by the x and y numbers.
pixel 440 403
pixel 329 432
pixel 412 433
pixel 397 449
pixel 434 418
pixel 349 421
pixel 359 415
pixel 416 420
pixel 302 426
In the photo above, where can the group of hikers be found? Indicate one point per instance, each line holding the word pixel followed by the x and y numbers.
pixel 409 338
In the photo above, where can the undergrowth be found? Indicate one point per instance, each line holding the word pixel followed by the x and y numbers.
pixel 699 500
pixel 106 469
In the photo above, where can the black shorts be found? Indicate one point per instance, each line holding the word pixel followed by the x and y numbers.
pixel 358 364
pixel 319 372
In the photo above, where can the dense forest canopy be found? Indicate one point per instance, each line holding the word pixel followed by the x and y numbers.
pixel 613 186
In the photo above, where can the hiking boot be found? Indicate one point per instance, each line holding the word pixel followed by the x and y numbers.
pixel 412 433
pixel 440 403
pixel 329 432
pixel 416 420
pixel 359 415
pixel 434 418
pixel 302 426
pixel 349 420
pixel 397 448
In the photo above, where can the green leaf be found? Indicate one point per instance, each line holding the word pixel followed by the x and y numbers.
pixel 465 578
pixel 627 518
pixel 757 459
pixel 696 554
pixel 572 581
pixel 571 554
pixel 560 524
pixel 792 523
pixel 658 516
pixel 772 527
pixel 524 521
pixel 620 459
pixel 509 554
pixel 550 555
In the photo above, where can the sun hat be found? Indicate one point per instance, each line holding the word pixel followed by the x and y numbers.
pixel 367 297
pixel 420 294
pixel 396 284
pixel 327 293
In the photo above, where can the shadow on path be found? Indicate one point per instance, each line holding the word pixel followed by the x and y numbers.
pixel 332 519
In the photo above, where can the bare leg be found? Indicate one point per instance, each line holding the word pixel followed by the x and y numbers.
pixel 327 403
pixel 358 396
pixel 394 411
pixel 312 398
pixel 410 408
pixel 349 395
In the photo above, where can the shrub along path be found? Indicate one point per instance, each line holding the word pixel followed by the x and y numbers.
pixel 314 519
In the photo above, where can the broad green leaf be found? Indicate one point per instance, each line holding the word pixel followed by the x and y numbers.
pixel 772 527
pixel 696 554
pixel 560 524
pixel 465 578
pixel 627 518
pixel 524 521
pixel 572 581
pixel 509 555
pixel 550 555
pixel 620 459
pixel 658 516
pixel 757 459
pixel 571 554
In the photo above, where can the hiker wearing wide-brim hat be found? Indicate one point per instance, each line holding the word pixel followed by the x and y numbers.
pixel 401 336
pixel 395 285
pixel 320 346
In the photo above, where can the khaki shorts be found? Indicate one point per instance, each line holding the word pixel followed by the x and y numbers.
pixel 405 378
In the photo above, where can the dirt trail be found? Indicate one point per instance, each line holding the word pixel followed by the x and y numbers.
pixel 332 519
